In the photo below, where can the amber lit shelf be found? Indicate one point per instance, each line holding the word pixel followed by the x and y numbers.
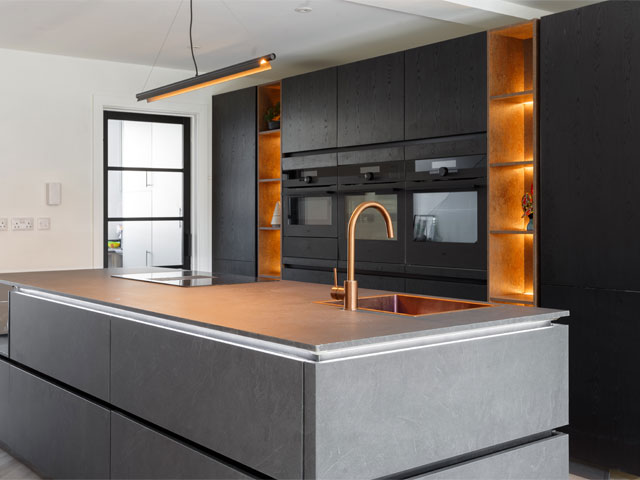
pixel 269 240
pixel 528 163
pixel 277 277
pixel 521 298
pixel 511 232
pixel 269 132
pixel 525 96
pixel 512 151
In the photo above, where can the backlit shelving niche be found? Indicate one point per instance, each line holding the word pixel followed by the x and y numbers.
pixel 513 162
pixel 269 185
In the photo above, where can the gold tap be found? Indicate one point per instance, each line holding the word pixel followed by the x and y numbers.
pixel 350 290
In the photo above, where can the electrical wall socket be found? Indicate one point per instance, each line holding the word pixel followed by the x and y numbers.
pixel 22 223
pixel 44 223
pixel 4 224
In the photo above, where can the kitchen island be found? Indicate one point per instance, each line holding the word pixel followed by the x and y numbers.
pixel 116 378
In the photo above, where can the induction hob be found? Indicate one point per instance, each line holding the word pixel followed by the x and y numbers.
pixel 190 278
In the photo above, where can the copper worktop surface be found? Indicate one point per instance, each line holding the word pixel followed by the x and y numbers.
pixel 279 311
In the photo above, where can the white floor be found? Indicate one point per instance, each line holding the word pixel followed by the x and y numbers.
pixel 10 468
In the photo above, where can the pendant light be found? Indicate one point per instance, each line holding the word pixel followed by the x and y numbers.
pixel 243 69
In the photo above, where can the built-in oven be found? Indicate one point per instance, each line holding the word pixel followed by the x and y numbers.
pixel 310 196
pixel 446 201
pixel 381 181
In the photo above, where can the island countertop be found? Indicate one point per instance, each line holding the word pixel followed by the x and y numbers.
pixel 282 312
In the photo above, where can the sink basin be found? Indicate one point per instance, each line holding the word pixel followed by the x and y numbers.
pixel 410 305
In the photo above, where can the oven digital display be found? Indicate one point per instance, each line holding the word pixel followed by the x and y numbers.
pixel 370 169
pixel 428 165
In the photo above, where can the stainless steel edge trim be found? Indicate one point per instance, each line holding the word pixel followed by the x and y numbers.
pixel 541 321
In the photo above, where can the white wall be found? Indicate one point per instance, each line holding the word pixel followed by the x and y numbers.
pixel 51 131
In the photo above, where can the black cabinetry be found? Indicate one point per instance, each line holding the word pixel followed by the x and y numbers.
pixel 589 112
pixel 371 101
pixel 309 111
pixel 234 182
pixel 446 88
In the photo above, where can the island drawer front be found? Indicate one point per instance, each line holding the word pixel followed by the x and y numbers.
pixel 58 433
pixel 65 342
pixel 546 459
pixel 4 402
pixel 138 452
pixel 243 404
pixel 442 400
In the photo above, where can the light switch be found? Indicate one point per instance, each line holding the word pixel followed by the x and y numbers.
pixel 44 223
pixel 54 193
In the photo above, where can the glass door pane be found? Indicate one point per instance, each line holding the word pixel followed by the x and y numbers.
pixel 134 144
pixel 145 244
pixel 145 194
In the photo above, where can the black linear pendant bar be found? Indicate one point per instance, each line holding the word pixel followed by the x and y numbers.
pixel 239 70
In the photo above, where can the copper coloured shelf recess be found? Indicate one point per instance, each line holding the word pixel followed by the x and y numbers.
pixel 215 77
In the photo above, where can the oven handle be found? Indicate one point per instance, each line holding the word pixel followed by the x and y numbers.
pixel 301 191
pixel 368 187
pixel 448 184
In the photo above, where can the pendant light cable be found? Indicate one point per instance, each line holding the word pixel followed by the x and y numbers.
pixel 195 64
pixel 162 46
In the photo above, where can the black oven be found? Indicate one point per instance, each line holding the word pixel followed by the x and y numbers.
pixel 381 182
pixel 446 201
pixel 310 196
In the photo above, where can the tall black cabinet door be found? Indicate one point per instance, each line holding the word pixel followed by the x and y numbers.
pixel 604 417
pixel 371 101
pixel 589 144
pixel 234 182
pixel 446 88
pixel 309 111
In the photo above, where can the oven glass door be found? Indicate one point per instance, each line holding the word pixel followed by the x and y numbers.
pixel 446 226
pixel 445 217
pixel 309 212
pixel 372 244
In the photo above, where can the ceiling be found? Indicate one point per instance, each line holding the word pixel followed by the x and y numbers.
pixel 230 31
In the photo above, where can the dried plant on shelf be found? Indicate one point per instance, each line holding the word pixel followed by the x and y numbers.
pixel 527 203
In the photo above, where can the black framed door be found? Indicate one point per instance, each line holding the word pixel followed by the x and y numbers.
pixel 147 190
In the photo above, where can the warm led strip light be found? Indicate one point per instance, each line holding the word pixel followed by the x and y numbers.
pixel 250 67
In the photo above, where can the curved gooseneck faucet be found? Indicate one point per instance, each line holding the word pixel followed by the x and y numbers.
pixel 350 290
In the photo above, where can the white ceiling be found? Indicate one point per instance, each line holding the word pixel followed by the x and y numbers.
pixel 231 31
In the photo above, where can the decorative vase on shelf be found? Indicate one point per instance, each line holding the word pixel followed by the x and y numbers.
pixel 273 124
pixel 277 215
pixel 530 224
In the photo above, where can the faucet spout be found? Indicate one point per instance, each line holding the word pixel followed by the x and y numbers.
pixel 350 290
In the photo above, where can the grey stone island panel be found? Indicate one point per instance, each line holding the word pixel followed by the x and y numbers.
pixel 138 452
pixel 58 433
pixel 383 414
pixel 241 403
pixel 546 459
pixel 68 343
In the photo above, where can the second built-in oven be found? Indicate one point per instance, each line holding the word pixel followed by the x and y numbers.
pixel 381 182
pixel 447 212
